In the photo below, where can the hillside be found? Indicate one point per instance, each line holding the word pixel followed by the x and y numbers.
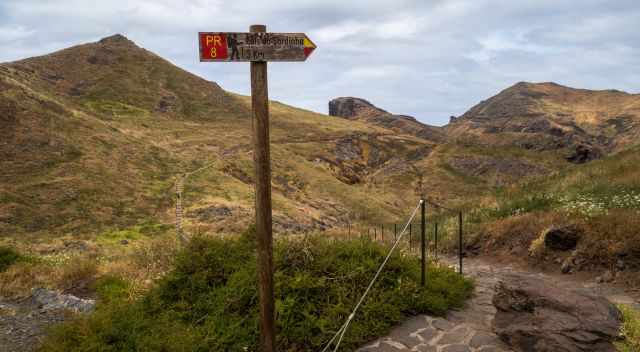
pixel 95 136
pixel 583 124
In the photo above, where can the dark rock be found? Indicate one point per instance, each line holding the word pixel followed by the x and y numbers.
pixel 582 153
pixel 124 242
pixel 350 107
pixel 166 103
pixel 533 315
pixel 212 213
pixel 562 238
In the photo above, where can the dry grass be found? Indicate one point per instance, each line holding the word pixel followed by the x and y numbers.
pixel 20 278
pixel 613 235
pixel 516 233
pixel 77 275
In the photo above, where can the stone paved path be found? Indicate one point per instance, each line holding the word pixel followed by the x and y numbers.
pixel 469 330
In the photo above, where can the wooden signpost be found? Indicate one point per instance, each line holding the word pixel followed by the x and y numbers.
pixel 258 47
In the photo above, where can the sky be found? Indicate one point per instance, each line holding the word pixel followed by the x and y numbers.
pixel 427 59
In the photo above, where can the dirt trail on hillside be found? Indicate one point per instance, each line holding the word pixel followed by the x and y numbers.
pixel 469 329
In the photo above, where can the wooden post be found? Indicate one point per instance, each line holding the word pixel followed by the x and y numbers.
pixel 423 243
pixel 264 235
pixel 410 240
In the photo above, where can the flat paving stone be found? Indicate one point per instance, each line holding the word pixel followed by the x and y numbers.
pixel 428 334
pixel 489 349
pixel 426 348
pixel 408 341
pixel 456 348
pixel 484 339
pixel 442 324
pixel 456 336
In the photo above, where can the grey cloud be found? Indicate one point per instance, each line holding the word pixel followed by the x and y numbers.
pixel 429 59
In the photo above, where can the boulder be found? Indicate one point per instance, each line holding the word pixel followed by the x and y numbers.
pixel 52 300
pixel 562 238
pixel 534 315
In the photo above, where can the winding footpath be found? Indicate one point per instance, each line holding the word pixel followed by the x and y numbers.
pixel 470 329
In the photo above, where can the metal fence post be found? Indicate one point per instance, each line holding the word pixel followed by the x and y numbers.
pixel 423 244
pixel 460 240
pixel 395 232
pixel 435 238
pixel 410 240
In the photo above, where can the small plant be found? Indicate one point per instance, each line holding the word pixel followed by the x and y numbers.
pixel 112 289
pixel 8 256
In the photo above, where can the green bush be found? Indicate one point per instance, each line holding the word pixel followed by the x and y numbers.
pixel 209 302
pixel 8 256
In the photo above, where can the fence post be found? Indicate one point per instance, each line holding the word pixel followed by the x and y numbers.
pixel 460 240
pixel 382 232
pixel 375 233
pixel 410 233
pixel 435 237
pixel 395 232
pixel 423 243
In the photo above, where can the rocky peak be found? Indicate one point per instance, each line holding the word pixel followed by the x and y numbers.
pixel 116 39
pixel 359 109
pixel 350 107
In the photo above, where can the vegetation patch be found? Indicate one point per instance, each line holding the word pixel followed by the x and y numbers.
pixel 133 233
pixel 8 257
pixel 630 330
pixel 209 301
pixel 115 109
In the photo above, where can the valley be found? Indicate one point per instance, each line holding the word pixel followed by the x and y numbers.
pixel 95 138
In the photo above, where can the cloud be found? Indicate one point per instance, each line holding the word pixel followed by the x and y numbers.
pixel 429 59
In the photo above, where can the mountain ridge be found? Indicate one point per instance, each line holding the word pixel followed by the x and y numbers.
pixel 95 136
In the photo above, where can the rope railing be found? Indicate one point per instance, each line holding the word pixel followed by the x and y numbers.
pixel 340 333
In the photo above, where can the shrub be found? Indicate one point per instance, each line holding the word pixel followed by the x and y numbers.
pixel 8 256
pixel 209 301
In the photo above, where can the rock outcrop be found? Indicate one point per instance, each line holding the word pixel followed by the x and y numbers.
pixel 535 315
pixel 52 300
pixel 562 238
pixel 359 109
pixel 350 107
pixel 582 124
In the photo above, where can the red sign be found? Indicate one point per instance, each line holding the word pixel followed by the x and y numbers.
pixel 254 46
